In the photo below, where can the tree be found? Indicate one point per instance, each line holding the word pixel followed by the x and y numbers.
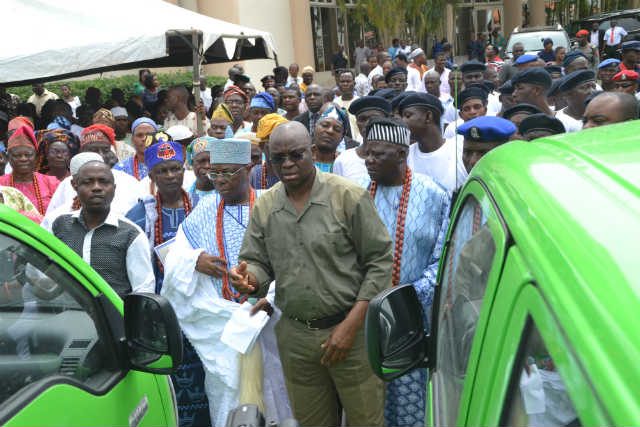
pixel 410 19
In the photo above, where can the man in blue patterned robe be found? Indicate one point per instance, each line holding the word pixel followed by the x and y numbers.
pixel 425 225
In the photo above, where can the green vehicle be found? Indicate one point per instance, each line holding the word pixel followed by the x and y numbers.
pixel 535 316
pixel 72 352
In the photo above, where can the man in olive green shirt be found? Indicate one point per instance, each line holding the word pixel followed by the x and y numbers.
pixel 319 236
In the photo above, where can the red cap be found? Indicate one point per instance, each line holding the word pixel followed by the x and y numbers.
pixel 97 133
pixel 625 75
pixel 23 136
pixel 582 33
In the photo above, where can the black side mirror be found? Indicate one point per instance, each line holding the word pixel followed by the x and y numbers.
pixel 154 339
pixel 394 333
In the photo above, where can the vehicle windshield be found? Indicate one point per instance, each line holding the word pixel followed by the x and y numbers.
pixel 533 41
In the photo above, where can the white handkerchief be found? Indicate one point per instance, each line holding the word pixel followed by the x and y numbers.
pixel 242 330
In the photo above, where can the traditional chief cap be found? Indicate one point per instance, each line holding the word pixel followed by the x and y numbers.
pixel 519 109
pixel 368 103
pixel 179 132
pixel 48 137
pixel 198 146
pixel 235 90
pixel 384 129
pixel 97 133
pixel 487 129
pixel 141 121
pixel 396 100
pixel 392 72
pixel 625 75
pixel 18 121
pixel 119 112
pixel 631 45
pixel 423 100
pixel 535 76
pixel 552 69
pixel 23 136
pixel 161 152
pixel 308 69
pixel 82 159
pixel 537 122
pixel 222 112
pixel 267 124
pixel 230 151
pixel 582 33
pixel 506 88
pixel 525 59
pixel 337 113
pixel 472 92
pixel 608 62
pixel 576 78
pixel 386 93
pixel 104 116
pixel 471 66
pixel 415 53
pixel 263 100
pixel 572 56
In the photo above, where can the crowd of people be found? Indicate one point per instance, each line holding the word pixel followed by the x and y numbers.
pixel 304 200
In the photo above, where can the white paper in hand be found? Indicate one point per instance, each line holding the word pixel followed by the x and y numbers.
pixel 242 329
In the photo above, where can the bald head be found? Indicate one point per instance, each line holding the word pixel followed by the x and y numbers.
pixel 290 155
pixel 609 108
pixel 290 131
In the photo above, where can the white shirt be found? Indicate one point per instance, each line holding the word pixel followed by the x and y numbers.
pixel 228 83
pixel 375 72
pixel 414 82
pixel 291 80
pixel 190 121
pixel 493 104
pixel 350 165
pixel 595 38
pixel 451 128
pixel 74 103
pixel 362 86
pixel 618 34
pixel 450 111
pixel 570 124
pixel 205 96
pixel 440 164
pixel 444 82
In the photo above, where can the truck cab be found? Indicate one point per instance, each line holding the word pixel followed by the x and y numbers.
pixel 538 292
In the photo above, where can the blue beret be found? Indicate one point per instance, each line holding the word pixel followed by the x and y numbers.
pixel 520 108
pixel 392 72
pixel 164 151
pixel 368 103
pixel 472 92
pixel 395 101
pixel 263 100
pixel 487 129
pixel 541 122
pixel 608 62
pixel 631 45
pixel 471 66
pixel 572 80
pixel 525 59
pixel 572 56
pixel 535 76
pixel 423 100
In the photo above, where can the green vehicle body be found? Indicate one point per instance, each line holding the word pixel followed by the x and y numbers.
pixel 129 397
pixel 564 215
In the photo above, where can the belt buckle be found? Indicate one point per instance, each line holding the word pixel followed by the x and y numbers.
pixel 308 323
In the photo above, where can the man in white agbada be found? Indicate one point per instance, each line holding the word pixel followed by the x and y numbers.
pixel 197 285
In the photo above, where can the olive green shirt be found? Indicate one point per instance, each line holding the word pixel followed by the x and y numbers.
pixel 334 253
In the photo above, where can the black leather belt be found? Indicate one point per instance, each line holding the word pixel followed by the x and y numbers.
pixel 324 323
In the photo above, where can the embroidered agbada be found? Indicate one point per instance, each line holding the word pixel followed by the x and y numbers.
pixel 202 311
pixel 425 230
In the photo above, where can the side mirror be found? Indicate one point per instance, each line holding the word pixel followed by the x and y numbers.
pixel 154 340
pixel 394 333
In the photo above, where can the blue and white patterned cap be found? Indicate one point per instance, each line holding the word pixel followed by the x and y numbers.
pixel 230 151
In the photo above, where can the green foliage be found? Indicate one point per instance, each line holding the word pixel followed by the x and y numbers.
pixel 126 83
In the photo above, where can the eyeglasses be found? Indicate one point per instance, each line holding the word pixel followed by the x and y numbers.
pixel 224 175
pixel 294 156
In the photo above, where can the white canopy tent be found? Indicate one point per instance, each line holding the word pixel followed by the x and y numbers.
pixel 51 39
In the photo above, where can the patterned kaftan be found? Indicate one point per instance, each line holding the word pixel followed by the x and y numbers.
pixel 126 165
pixel 425 229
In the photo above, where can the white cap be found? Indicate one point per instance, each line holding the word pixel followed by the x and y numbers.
pixel 82 159
pixel 180 132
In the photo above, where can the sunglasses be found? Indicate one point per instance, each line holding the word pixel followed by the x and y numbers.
pixel 224 175
pixel 294 156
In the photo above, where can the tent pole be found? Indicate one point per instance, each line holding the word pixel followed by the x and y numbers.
pixel 195 44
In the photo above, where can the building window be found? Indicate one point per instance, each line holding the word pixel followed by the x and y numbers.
pixel 331 27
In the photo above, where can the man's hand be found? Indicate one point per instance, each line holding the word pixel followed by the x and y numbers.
pixel 211 265
pixel 242 280
pixel 201 110
pixel 337 346
pixel 262 304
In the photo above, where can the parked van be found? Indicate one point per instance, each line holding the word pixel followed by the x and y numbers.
pixel 536 313
pixel 71 352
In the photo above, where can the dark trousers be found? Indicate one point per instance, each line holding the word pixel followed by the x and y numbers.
pixel 612 51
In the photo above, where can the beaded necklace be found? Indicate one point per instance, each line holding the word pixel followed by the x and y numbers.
pixel 263 178
pixel 136 167
pixel 227 293
pixel 36 189
pixel 186 204
pixel 400 220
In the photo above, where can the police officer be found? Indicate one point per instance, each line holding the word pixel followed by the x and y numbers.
pixel 538 126
pixel 482 135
